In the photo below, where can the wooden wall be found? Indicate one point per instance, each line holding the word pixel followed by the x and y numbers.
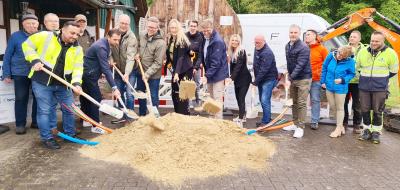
pixel 185 10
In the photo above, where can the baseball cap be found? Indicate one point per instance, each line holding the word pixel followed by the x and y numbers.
pixel 29 16
pixel 80 17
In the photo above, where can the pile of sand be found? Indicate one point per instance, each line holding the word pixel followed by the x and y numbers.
pixel 189 147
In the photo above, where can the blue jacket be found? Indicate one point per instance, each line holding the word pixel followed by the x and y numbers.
pixel 298 60
pixel 215 60
pixel 264 65
pixel 96 61
pixel 332 69
pixel 14 62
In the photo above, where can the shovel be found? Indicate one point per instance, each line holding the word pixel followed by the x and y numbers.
pixel 105 108
pixel 130 113
pixel 139 95
pixel 153 109
pixel 288 103
pixel 253 112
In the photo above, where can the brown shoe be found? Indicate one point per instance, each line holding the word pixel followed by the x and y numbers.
pixel 357 129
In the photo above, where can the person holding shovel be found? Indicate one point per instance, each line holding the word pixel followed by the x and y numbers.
pixel 123 57
pixel 182 68
pixel 215 60
pixel 151 52
pixel 266 74
pixel 95 64
pixel 61 54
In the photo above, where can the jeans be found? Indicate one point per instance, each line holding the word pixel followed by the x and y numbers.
pixel 197 78
pixel 315 96
pixel 130 99
pixel 356 106
pixel 299 90
pixel 47 98
pixel 240 94
pixel 91 87
pixel 21 88
pixel 154 85
pixel 336 102
pixel 216 91
pixel 265 93
pixel 121 85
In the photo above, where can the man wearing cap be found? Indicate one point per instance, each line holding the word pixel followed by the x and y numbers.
pixel 84 39
pixel 16 68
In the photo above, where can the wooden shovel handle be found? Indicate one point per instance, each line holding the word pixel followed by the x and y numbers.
pixel 70 86
pixel 145 82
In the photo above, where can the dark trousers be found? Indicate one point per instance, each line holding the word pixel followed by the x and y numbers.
pixel 22 84
pixel 356 107
pixel 90 87
pixel 180 106
pixel 374 101
pixel 240 93
pixel 154 85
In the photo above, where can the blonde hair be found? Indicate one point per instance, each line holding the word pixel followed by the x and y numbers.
pixel 181 39
pixel 233 53
pixel 345 51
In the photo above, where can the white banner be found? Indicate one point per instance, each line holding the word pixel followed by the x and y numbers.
pixel 7 99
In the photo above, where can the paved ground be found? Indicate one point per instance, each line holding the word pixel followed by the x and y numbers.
pixel 314 162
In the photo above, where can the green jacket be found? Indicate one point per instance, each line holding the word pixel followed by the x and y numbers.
pixel 151 51
pixel 124 54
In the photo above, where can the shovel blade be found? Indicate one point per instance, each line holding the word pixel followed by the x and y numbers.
pixel 139 95
pixel 107 109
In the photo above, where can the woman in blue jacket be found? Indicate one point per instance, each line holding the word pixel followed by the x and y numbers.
pixel 337 71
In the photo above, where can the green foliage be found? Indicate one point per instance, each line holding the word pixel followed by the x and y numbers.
pixel 330 10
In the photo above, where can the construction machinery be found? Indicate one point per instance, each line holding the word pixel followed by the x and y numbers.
pixel 359 18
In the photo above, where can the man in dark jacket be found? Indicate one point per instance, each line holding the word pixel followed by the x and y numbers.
pixel 16 68
pixel 196 46
pixel 95 64
pixel 266 75
pixel 299 68
pixel 215 62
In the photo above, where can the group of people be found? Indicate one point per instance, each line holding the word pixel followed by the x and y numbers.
pixel 71 53
pixel 353 71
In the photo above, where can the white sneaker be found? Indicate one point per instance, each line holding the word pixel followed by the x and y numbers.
pixel 86 124
pixel 98 130
pixel 298 133
pixel 236 119
pixel 290 128
pixel 239 123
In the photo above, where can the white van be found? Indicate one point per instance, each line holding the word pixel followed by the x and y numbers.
pixel 275 28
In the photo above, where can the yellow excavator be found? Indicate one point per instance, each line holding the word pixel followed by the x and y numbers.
pixel 359 18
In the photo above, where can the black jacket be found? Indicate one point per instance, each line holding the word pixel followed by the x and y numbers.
pixel 240 75
pixel 298 60
pixel 264 65
pixel 196 45
pixel 181 62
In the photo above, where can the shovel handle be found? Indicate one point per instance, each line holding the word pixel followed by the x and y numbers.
pixel 145 82
pixel 122 76
pixel 70 86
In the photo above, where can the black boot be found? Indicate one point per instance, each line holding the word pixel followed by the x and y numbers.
pixel 375 137
pixel 366 135
pixel 51 144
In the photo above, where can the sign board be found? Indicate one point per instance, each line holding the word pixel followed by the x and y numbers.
pixel 226 20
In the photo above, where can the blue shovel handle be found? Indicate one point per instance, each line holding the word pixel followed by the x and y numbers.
pixel 75 140
pixel 250 132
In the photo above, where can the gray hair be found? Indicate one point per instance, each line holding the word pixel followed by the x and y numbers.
pixel 295 26
pixel 49 15
pixel 208 23
pixel 153 19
